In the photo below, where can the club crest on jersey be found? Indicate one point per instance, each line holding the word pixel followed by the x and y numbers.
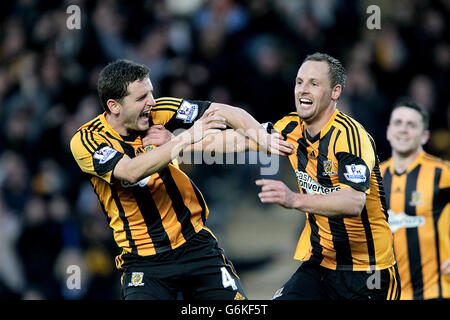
pixel 104 154
pixel 416 199
pixel 355 173
pixel 328 168
pixel 187 112
pixel 136 279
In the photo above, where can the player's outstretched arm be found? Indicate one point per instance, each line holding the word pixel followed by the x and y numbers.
pixel 248 134
pixel 347 202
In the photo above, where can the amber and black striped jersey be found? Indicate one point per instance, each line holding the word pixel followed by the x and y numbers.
pixel 342 155
pixel 160 212
pixel 419 215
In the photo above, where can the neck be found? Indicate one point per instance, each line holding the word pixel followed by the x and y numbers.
pixel 115 124
pixel 403 160
pixel 316 125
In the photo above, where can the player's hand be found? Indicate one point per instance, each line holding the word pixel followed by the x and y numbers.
pixel 445 267
pixel 277 145
pixel 274 191
pixel 208 124
pixel 157 135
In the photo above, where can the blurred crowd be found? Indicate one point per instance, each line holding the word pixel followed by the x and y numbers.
pixel 241 52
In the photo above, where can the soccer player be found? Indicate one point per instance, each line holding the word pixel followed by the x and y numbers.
pixel 156 212
pixel 346 245
pixel 417 189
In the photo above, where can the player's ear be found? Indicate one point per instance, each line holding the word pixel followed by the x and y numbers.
pixel 113 106
pixel 336 92
pixel 425 137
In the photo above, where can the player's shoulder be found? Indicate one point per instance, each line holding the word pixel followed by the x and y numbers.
pixel 89 134
pixel 385 164
pixel 349 124
pixel 436 161
pixel 167 102
pixel 291 117
pixel 96 125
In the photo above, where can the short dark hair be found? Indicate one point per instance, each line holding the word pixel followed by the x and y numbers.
pixel 405 102
pixel 337 72
pixel 114 79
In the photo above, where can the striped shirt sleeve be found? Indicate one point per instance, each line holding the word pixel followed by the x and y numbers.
pixel 94 155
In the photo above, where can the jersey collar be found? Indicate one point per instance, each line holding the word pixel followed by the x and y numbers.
pixel 130 138
pixel 322 132
pixel 411 166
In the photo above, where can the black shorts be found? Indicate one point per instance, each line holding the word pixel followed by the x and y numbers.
pixel 198 270
pixel 314 282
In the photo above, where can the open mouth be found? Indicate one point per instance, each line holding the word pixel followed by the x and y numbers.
pixel 145 114
pixel 305 102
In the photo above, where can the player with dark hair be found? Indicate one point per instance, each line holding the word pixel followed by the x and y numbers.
pixel 346 245
pixel 417 188
pixel 156 212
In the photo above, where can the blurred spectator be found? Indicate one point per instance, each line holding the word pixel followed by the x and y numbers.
pixel 11 274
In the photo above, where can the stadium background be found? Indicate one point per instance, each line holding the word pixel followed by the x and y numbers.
pixel 242 52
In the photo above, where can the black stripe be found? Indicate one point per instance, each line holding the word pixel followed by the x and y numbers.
pixel 91 128
pixel 88 141
pixel 316 248
pixel 369 237
pixel 341 244
pixel 415 261
pixel 322 178
pixel 357 135
pixel 399 284
pixel 127 149
pixel 126 225
pixel 83 142
pixel 335 141
pixel 289 128
pixel 94 124
pixel 387 186
pixel 353 134
pixel 168 99
pixel 348 136
pixel 382 194
pixel 183 213
pixel 200 200
pixel 438 205
pixel 93 140
pixel 167 103
pixel 152 218
pixel 164 109
pixel 302 158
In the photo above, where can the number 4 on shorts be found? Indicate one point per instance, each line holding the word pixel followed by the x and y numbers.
pixel 227 280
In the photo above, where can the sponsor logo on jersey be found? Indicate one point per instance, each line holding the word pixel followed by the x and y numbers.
pixel 311 186
pixel 355 173
pixel 401 220
pixel 104 154
pixel 142 183
pixel 187 112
